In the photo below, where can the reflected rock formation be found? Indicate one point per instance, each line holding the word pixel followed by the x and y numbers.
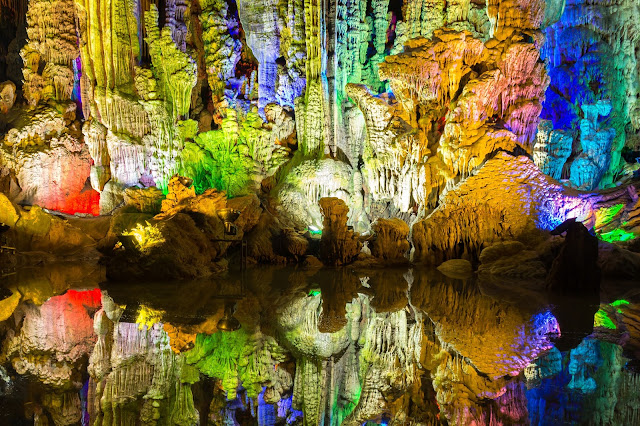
pixel 430 350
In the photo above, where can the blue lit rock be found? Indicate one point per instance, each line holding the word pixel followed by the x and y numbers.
pixel 551 149
pixel 596 142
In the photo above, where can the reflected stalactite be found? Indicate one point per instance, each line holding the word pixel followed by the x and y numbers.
pixel 428 349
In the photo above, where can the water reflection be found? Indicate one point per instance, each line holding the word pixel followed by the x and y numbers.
pixel 315 346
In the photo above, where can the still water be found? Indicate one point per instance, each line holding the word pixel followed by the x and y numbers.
pixel 276 346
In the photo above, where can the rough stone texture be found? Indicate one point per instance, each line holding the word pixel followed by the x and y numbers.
pixel 250 209
pixel 307 183
pixel 145 200
pixel 7 96
pixel 513 259
pixel 551 149
pixel 391 239
pixel 596 143
pixel 339 245
pixel 49 161
pixel 185 251
pixel 400 121
pixel 262 241
pixel 506 198
pixel 591 62
pixel 51 47
pixel 36 230
pixel 387 109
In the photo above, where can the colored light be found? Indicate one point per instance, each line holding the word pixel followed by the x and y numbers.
pixel 601 319
pixel 147 317
pixel 146 236
pixel 605 215
pixel 617 235
pixel 313 230
pixel 619 302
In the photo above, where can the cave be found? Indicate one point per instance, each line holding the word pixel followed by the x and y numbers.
pixel 305 212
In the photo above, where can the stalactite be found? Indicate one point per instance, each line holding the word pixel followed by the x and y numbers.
pixel 222 49
pixel 51 47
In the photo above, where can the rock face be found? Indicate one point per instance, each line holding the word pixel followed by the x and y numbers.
pixel 551 149
pixel 145 200
pixel 391 239
pixel 456 268
pixel 339 245
pixel 592 64
pixel 515 260
pixel 182 249
pixel 36 230
pixel 507 197
pixel 51 164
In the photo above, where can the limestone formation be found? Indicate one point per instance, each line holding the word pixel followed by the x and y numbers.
pixel 339 245
pixel 509 198
pixel 7 96
pixel 387 106
pixel 457 134
pixel 592 63
pixel 391 239
pixel 551 149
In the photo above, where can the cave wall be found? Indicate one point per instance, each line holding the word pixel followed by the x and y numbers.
pixel 384 105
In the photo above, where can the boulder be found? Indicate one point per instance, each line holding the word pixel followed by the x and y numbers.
pixel 111 197
pixel 456 268
pixel 294 243
pixel 37 230
pixel 262 241
pixel 180 189
pixel 179 247
pixel 312 262
pixel 511 259
pixel 8 213
pixel 249 208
